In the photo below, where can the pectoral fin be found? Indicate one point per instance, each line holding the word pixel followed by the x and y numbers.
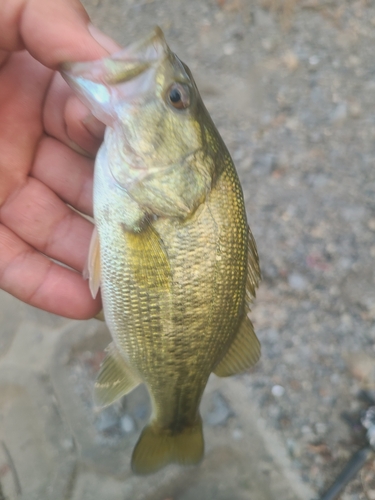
pixel 148 259
pixel 115 379
pixel 92 269
pixel 243 353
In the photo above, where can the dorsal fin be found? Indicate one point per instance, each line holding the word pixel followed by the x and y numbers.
pixel 244 350
pixel 253 270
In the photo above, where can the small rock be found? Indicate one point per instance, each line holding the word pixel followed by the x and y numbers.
pixel 127 424
pixel 340 113
pixel 238 154
pixel 237 434
pixel 321 428
pixel 362 366
pixel 294 448
pixel 268 44
pixel 297 282
pixel 291 60
pixel 314 60
pixel 220 410
pixel 106 420
pixel 355 109
pixel 141 411
pixel 229 48
pixel 278 391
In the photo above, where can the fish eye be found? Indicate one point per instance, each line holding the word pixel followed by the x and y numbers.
pixel 179 96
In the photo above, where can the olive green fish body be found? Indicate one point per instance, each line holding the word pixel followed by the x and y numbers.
pixel 174 257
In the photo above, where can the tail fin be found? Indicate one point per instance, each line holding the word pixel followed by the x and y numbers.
pixel 157 448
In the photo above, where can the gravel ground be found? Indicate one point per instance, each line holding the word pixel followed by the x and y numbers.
pixel 291 86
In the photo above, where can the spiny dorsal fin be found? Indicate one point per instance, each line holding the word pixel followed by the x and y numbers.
pixel 158 447
pixel 92 268
pixel 253 271
pixel 243 353
pixel 115 379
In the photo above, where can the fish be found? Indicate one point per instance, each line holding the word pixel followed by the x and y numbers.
pixel 171 252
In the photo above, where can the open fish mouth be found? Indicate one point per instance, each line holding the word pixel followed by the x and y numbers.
pixel 119 78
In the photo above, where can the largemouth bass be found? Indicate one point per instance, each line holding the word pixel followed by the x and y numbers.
pixel 172 252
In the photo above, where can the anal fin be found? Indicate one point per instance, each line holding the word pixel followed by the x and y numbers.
pixel 243 353
pixel 115 379
pixel 244 350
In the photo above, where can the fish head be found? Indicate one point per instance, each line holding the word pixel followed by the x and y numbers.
pixel 149 100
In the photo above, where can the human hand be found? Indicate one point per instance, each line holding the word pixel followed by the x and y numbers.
pixel 46 139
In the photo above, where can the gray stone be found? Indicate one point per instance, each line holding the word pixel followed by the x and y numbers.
pixel 220 410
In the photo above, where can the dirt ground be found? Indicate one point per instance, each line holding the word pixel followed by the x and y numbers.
pixel 291 87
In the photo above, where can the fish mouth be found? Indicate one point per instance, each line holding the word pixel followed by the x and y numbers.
pixel 121 66
pixel 121 77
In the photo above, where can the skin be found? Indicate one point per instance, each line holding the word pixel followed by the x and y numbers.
pixel 47 142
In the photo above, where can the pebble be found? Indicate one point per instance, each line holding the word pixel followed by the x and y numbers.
pixel 237 434
pixel 220 410
pixel 297 281
pixel 269 44
pixel 229 48
pixel 314 60
pixel 106 420
pixel 355 110
pixel 340 112
pixel 291 61
pixel 278 391
pixel 321 428
pixel 140 411
pixel 127 424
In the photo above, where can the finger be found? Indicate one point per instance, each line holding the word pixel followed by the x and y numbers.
pixel 81 123
pixel 67 173
pixel 41 219
pixel 33 278
pixel 70 121
pixel 23 82
pixel 52 31
pixel 4 55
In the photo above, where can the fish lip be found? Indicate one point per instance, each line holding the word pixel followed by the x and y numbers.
pixel 145 53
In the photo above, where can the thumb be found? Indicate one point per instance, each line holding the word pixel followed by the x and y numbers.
pixel 53 31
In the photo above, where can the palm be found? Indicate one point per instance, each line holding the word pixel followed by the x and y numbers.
pixel 41 173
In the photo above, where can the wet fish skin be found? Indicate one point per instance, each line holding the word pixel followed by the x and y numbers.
pixel 174 257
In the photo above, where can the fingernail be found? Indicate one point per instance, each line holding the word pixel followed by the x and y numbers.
pixel 105 41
